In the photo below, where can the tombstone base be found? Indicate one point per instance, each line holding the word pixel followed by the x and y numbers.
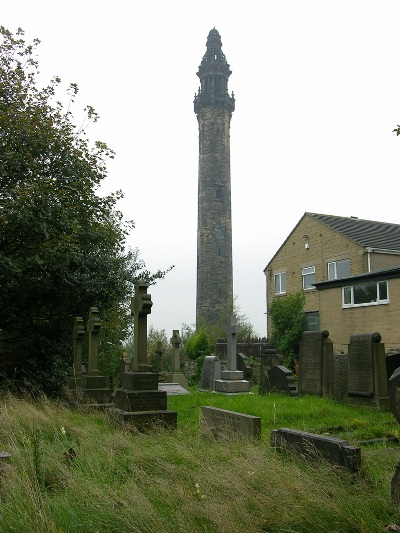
pixel 177 377
pixel 93 382
pixel 232 374
pixel 379 402
pixel 240 386
pixel 98 398
pixel 74 383
pixel 143 420
pixel 140 400
pixel 139 380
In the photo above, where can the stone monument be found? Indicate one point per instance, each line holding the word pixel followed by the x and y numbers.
pixel 74 380
pixel 279 379
pixel 367 382
pixel 139 402
pixel 176 376
pixel 232 381
pixel 94 386
pixel 316 363
pixel 210 372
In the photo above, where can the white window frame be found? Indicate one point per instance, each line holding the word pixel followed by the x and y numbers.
pixel 378 301
pixel 279 276
pixel 335 263
pixel 311 271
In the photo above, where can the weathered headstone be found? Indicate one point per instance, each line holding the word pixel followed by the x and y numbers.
pixel 232 381
pixel 210 372
pixel 94 386
pixel 176 376
pixel 158 355
pixel 221 423
pixel 74 381
pixel 138 402
pixel 394 393
pixel 316 360
pixel 367 374
pixel 280 379
pixel 270 357
pixel 243 365
pixel 336 451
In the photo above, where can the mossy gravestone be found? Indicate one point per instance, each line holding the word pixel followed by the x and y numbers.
pixel 316 356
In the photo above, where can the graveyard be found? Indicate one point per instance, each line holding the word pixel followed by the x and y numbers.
pixel 71 470
pixel 319 453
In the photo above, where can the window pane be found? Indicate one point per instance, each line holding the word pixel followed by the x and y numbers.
pixel 383 290
pixel 365 293
pixel 308 281
pixel 347 296
pixel 343 269
pixel 277 283
pixel 331 271
pixel 283 282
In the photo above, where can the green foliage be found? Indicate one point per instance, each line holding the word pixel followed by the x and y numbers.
pixel 62 246
pixel 286 314
pixel 94 477
pixel 157 341
pixel 198 344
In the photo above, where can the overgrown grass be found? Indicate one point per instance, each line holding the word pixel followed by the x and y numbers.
pixel 71 471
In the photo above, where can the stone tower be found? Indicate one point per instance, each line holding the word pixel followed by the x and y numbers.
pixel 214 107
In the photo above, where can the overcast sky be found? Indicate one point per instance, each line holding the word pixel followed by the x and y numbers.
pixel 317 88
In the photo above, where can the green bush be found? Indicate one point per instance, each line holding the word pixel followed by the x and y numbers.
pixel 198 344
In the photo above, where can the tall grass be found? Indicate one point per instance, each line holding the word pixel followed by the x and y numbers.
pixel 73 471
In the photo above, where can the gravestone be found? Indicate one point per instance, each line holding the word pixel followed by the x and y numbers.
pixel 367 375
pixel 394 393
pixel 176 376
pixel 231 381
pixel 336 451
pixel 279 379
pixel 138 402
pixel 158 355
pixel 316 363
pixel 74 380
pixel 220 423
pixel 94 386
pixel 392 363
pixel 210 372
pixel 244 366
pixel 270 357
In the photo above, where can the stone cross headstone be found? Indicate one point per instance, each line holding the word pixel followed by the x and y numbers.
pixel 232 329
pixel 176 342
pixel 159 352
pixel 79 334
pixel 93 327
pixel 140 307
pixel 232 381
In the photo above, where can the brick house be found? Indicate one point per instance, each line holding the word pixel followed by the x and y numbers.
pixel 349 270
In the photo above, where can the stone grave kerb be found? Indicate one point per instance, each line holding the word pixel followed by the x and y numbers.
pixel 93 327
pixel 79 334
pixel 232 329
pixel 176 342
pixel 140 307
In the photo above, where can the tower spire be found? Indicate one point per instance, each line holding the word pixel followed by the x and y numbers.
pixel 214 107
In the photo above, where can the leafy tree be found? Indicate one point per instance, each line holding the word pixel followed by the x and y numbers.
pixel 199 344
pixel 157 339
pixel 287 315
pixel 62 246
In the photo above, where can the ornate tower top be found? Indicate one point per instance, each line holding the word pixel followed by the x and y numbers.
pixel 214 72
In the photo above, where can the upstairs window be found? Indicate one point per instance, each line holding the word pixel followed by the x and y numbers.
pixel 308 274
pixel 280 283
pixel 371 293
pixel 339 269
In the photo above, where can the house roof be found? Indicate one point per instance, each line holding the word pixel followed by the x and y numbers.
pixel 368 233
